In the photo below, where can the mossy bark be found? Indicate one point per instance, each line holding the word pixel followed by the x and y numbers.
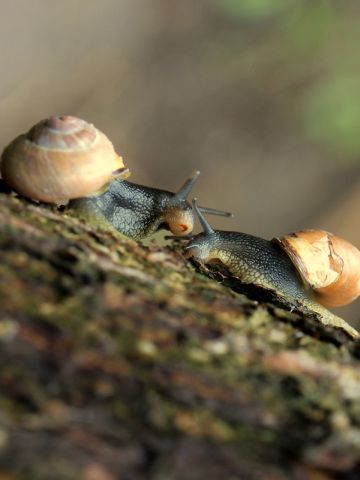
pixel 119 361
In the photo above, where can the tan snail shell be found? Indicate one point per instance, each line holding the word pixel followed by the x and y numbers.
pixel 328 265
pixel 60 158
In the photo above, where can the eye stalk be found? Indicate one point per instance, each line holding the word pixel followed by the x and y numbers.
pixel 182 196
pixel 204 223
pixel 179 215
pixel 184 191
pixel 202 246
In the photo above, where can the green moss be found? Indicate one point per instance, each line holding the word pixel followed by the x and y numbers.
pixel 108 346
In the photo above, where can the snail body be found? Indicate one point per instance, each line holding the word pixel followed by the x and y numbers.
pixel 268 264
pixel 65 160
pixel 136 210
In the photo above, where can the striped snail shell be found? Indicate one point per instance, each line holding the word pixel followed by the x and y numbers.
pixel 60 158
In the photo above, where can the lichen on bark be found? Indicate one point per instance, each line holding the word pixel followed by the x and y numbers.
pixel 125 361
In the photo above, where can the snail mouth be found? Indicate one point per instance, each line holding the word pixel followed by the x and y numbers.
pixel 192 251
pixel 182 228
pixel 179 229
pixel 179 221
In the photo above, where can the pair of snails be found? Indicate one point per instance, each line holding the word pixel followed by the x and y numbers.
pixel 65 160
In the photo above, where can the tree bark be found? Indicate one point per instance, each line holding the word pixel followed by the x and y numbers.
pixel 119 361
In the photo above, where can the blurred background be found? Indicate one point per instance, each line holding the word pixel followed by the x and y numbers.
pixel 263 96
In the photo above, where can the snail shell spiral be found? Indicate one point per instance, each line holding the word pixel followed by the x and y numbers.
pixel 60 158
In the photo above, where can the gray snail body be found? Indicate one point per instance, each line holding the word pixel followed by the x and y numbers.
pixel 65 160
pixel 266 263
pixel 137 211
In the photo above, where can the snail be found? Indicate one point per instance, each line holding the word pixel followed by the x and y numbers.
pixel 310 269
pixel 65 160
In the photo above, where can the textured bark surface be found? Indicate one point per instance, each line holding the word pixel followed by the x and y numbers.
pixel 123 362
